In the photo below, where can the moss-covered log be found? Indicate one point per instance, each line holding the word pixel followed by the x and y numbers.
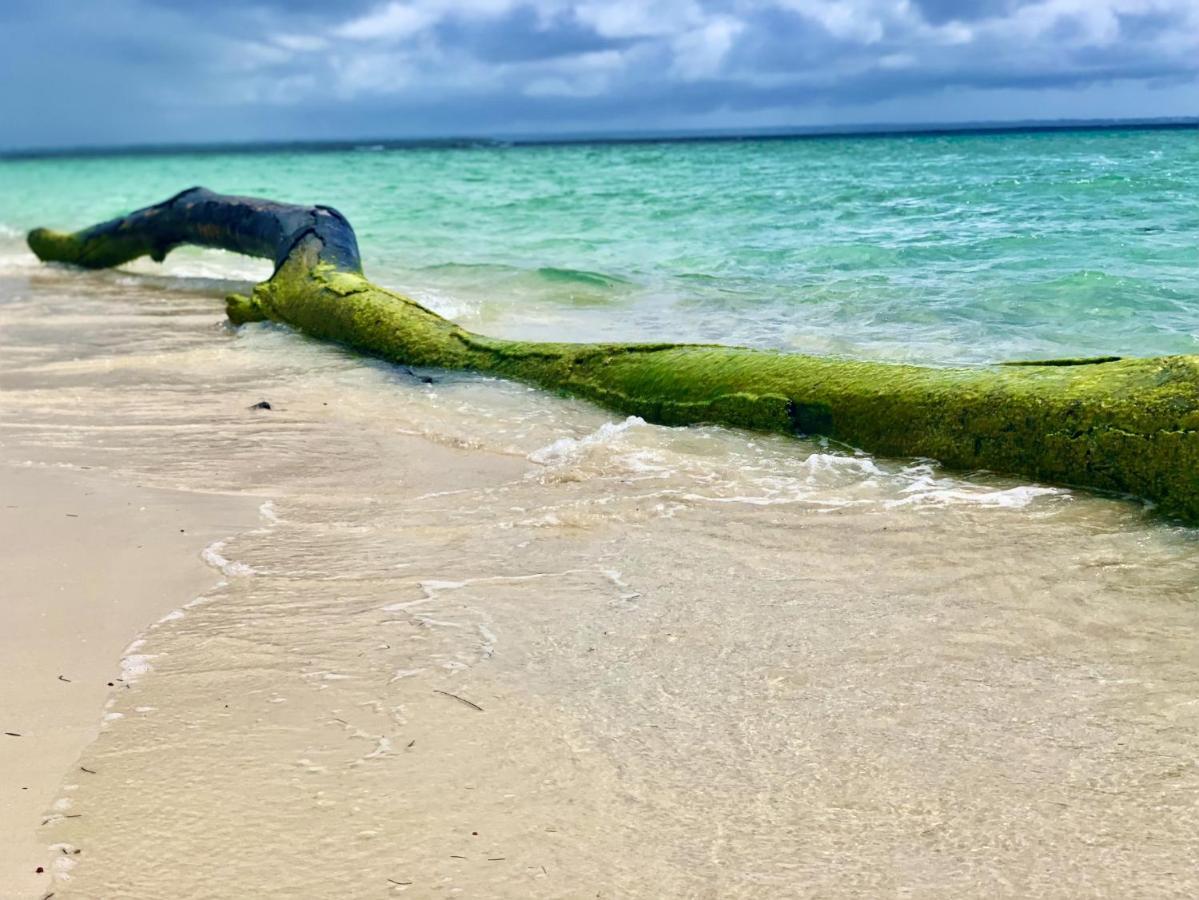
pixel 1124 425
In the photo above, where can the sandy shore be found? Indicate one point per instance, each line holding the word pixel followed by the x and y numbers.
pixel 87 563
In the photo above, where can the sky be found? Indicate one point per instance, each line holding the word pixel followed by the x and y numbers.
pixel 121 72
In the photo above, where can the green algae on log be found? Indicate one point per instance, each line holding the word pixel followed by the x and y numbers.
pixel 1129 426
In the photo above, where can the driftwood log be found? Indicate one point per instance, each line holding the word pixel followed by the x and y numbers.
pixel 1129 426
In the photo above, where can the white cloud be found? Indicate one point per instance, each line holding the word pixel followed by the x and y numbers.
pixel 639 18
pixel 395 21
pixel 684 41
pixel 700 52
pixel 584 75
pixel 1094 23
pixel 591 85
pixel 896 61
pixel 366 72
pixel 300 43
pixel 401 19
pixel 862 21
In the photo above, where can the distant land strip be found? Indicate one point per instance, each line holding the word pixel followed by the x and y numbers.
pixel 831 132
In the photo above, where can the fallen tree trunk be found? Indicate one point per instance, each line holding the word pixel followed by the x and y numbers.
pixel 1124 425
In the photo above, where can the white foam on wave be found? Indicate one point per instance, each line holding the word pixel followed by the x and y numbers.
pixel 565 450
pixel 383 748
pixel 820 464
pixel 822 480
pixel 489 641
pixel 445 305
pixel 267 511
pixel 627 594
pixel 767 474
pixel 434 585
pixel 1011 498
pixel 15 256
pixel 429 589
pixel 212 555
pixel 135 664
pixel 206 263
pixel 64 861
pixel 407 604
pixel 925 489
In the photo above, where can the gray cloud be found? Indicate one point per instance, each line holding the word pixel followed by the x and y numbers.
pixel 130 71
pixel 938 12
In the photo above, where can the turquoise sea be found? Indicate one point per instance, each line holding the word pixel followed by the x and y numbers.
pixel 938 249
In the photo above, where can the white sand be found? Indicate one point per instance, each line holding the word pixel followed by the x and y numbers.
pixel 86 563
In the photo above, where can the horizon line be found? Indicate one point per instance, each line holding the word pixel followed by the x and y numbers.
pixel 611 136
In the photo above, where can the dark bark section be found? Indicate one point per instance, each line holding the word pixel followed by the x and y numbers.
pixel 247 225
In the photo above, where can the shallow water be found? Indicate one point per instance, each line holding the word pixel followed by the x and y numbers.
pixel 490 642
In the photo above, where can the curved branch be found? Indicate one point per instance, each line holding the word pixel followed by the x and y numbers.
pixel 1124 425
pixel 244 225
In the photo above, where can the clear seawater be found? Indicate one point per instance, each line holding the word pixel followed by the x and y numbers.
pixel 938 249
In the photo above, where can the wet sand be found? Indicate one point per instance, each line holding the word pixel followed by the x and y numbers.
pixel 87 563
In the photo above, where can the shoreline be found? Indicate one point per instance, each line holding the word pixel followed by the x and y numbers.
pixel 127 555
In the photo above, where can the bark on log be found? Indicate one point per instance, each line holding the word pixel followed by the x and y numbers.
pixel 246 225
pixel 1129 426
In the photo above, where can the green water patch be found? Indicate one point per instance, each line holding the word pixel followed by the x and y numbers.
pixel 554 275
pixel 505 286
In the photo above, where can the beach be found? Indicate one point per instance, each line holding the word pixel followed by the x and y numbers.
pixel 124 557
pixel 424 633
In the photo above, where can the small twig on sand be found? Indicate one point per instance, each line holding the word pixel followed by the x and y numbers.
pixel 86 769
pixel 14 734
pixel 460 699
pixel 402 883
pixel 64 678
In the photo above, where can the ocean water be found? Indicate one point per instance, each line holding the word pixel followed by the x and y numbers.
pixel 940 249
pixel 490 642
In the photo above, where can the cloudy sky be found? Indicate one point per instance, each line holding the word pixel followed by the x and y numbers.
pixel 86 72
